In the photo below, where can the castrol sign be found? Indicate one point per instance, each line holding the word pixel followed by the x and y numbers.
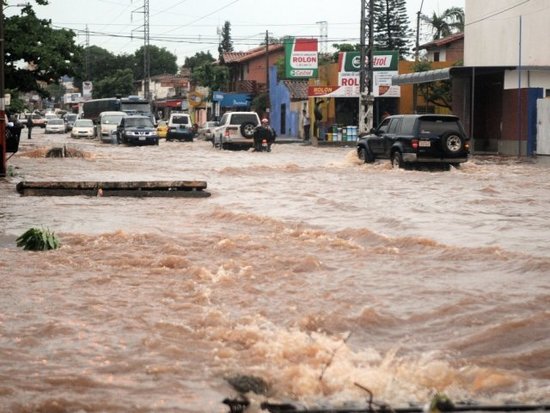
pixel 384 66
pixel 301 58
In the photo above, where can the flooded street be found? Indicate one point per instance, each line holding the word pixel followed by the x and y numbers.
pixel 304 267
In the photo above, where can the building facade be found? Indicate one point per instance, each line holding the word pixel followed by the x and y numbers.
pixel 505 42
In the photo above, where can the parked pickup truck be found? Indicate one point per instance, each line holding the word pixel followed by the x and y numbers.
pixel 411 139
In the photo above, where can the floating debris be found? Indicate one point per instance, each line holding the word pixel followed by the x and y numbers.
pixel 244 384
pixel 192 189
pixel 64 152
pixel 38 239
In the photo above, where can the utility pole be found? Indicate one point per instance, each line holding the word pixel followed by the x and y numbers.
pixel 267 68
pixel 146 55
pixel 416 54
pixel 366 100
pixel 323 36
pixel 87 54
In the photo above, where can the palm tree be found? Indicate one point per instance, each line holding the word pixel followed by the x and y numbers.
pixel 449 22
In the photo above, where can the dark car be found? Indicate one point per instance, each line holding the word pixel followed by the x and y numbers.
pixel 413 139
pixel 137 130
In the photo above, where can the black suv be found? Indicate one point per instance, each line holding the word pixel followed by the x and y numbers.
pixel 408 139
pixel 137 130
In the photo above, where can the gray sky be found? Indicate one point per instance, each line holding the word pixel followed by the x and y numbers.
pixel 185 27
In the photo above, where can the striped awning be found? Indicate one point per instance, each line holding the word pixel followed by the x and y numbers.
pixel 422 77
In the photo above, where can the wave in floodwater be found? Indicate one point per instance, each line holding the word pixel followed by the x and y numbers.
pixel 305 267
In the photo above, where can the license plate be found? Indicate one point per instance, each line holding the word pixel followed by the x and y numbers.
pixel 142 138
pixel 424 144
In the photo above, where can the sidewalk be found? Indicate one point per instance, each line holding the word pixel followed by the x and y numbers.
pixel 287 139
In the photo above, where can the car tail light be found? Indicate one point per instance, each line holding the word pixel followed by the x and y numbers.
pixel 414 144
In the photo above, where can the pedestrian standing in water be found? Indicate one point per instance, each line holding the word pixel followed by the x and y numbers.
pixel 306 123
pixel 29 126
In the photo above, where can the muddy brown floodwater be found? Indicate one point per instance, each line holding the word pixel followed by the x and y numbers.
pixel 304 267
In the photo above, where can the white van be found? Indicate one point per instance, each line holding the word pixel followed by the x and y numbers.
pixel 107 123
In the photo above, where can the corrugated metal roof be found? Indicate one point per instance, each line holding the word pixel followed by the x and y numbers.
pixel 456 71
pixel 297 88
pixel 422 77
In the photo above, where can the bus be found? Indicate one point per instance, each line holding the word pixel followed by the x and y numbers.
pixel 132 105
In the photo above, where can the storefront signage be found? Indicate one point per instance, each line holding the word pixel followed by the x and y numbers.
pixel 331 92
pixel 301 58
pixel 385 65
pixel 87 88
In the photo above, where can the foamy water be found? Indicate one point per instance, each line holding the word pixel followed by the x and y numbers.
pixel 304 267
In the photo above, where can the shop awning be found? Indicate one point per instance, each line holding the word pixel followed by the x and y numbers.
pixel 422 77
pixel 449 72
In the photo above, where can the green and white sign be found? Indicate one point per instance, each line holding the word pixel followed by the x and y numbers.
pixel 385 64
pixel 301 58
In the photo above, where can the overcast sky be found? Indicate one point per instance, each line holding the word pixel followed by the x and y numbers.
pixel 185 27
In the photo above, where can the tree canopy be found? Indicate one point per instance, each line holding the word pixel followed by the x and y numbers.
pixel 449 22
pixel 161 61
pixel 391 26
pixel 119 83
pixel 36 54
pixel 198 60
pixel 226 44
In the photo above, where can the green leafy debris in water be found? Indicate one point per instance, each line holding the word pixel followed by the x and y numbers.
pixel 38 239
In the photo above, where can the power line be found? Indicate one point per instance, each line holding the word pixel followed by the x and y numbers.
pixel 497 13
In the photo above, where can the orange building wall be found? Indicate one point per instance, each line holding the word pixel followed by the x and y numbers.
pixel 256 66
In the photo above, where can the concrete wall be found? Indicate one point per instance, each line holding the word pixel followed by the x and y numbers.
pixel 492 33
pixel 529 79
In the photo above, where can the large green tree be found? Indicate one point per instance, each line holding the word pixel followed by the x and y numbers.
pixel 35 53
pixel 212 76
pixel 119 83
pixel 226 44
pixel 161 61
pixel 198 60
pixel 98 64
pixel 391 26
pixel 444 24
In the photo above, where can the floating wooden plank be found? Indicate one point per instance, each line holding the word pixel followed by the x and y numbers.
pixel 192 189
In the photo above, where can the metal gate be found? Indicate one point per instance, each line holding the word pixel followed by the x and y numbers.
pixel 543 127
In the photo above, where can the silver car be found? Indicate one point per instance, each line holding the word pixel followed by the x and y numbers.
pixel 83 128
pixel 56 126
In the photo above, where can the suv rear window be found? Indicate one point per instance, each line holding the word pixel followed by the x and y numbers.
pixel 438 127
pixel 240 118
pixel 180 120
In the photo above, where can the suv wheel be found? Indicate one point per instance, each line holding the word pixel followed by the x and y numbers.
pixel 452 142
pixel 365 155
pixel 397 160
pixel 247 129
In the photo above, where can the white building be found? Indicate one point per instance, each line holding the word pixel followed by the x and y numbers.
pixel 512 35
pixel 500 91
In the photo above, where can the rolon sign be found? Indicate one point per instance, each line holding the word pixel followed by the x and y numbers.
pixel 301 58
